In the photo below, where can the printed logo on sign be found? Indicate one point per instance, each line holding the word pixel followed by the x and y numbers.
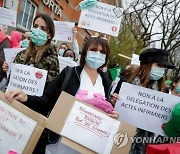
pixel 121 139
pixel 39 74
pixel 85 23
pixel 114 28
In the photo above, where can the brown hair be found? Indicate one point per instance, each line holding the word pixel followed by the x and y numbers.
pixel 31 47
pixel 95 42
pixel 176 80
pixel 143 73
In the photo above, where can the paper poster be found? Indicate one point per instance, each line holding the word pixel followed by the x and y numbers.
pixel 10 54
pixel 30 79
pixel 63 62
pixel 64 31
pixel 12 4
pixel 101 18
pixel 8 17
pixel 145 108
pixel 135 59
pixel 15 129
pixel 91 128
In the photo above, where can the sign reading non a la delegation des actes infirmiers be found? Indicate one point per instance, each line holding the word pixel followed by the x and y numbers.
pixel 101 18
pixel 30 79
pixel 145 108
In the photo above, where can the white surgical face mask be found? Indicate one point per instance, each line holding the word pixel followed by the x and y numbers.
pixel 156 73
pixel 95 59
pixel 61 52
pixel 70 58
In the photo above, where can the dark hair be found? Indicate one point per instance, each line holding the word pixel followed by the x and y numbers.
pixel 176 80
pixel 65 45
pixel 95 41
pixel 49 22
pixel 71 51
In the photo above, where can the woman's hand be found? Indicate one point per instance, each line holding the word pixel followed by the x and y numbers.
pixel 5 66
pixel 114 114
pixel 113 98
pixel 16 94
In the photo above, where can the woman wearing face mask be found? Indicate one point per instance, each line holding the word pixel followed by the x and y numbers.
pixel 175 87
pixel 149 75
pixel 25 41
pixel 40 53
pixel 75 46
pixel 69 54
pixel 85 77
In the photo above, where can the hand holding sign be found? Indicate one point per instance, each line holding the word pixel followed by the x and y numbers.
pixel 16 94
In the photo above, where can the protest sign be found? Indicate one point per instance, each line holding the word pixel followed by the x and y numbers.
pixel 63 31
pixel 62 110
pixel 135 59
pixel 8 17
pixel 63 62
pixel 101 18
pixel 20 127
pixel 145 108
pixel 11 4
pixel 10 54
pixel 15 129
pixel 89 123
pixel 30 79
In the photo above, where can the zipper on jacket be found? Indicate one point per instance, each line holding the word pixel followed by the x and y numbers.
pixel 78 78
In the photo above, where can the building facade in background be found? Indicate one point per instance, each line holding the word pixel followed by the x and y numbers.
pixel 59 10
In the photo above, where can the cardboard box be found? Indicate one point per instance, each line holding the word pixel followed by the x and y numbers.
pixel 61 111
pixel 56 121
pixel 41 122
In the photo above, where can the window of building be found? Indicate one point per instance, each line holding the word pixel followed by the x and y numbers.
pixel 26 14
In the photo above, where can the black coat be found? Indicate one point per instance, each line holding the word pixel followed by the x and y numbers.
pixel 45 103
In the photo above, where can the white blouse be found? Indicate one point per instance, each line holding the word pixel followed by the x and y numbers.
pixel 86 84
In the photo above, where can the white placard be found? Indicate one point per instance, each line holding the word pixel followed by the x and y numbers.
pixel 91 128
pixel 10 54
pixel 11 4
pixel 30 79
pixel 15 129
pixel 8 17
pixel 101 18
pixel 135 59
pixel 145 108
pixel 63 31
pixel 63 62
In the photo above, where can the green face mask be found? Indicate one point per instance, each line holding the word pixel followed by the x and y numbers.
pixel 86 4
pixel 38 37
pixel 24 43
pixel 178 89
